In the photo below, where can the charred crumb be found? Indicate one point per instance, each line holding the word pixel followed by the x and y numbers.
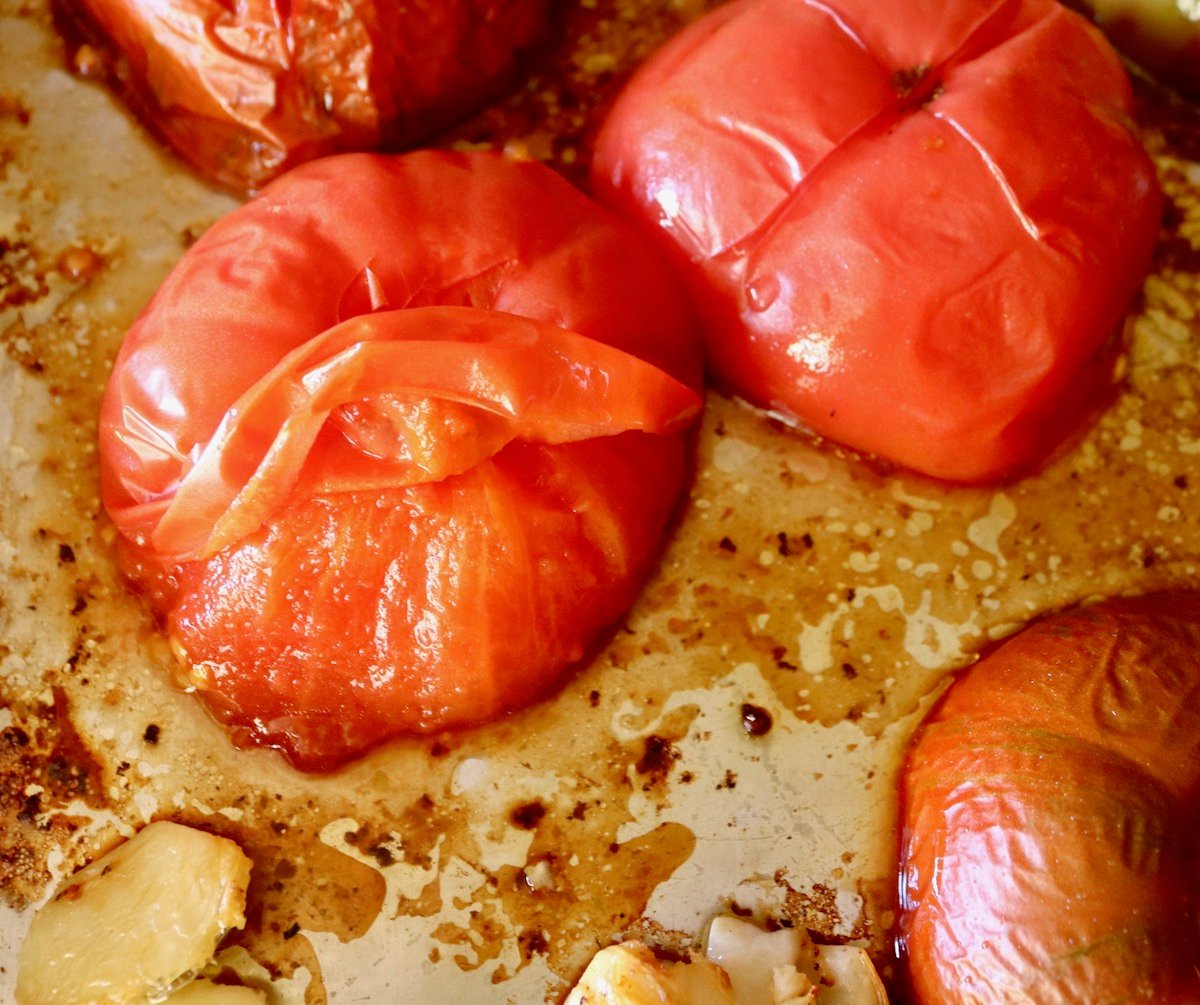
pixel 778 654
pixel 848 671
pixel 151 734
pixel 22 278
pixel 533 942
pixel 438 749
pixel 726 544
pixel 528 815
pixel 594 698
pixel 292 930
pixel 657 756
pixel 66 555
pixel 382 855
pixel 71 777
pixel 30 808
pixel 728 782
pixel 15 736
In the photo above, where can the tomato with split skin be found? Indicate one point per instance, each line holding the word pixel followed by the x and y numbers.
pixel 395 443
pixel 912 228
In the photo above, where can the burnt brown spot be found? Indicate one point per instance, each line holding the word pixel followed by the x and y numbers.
pixel 657 756
pixel 528 815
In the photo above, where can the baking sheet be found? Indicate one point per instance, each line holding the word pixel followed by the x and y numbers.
pixel 835 593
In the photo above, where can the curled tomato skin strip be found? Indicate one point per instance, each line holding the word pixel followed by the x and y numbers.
pixel 503 378
pixel 395 444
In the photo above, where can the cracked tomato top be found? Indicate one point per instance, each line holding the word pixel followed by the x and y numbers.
pixel 394 442
pixel 915 228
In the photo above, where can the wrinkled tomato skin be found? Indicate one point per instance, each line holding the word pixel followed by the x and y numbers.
pixel 1049 815
pixel 244 92
pixel 351 616
pixel 891 240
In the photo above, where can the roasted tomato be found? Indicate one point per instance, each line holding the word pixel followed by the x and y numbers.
pixel 914 228
pixel 1049 816
pixel 244 91
pixel 395 441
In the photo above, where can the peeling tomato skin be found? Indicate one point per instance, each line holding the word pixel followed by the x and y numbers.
pixel 889 240
pixel 1048 810
pixel 247 91
pixel 359 601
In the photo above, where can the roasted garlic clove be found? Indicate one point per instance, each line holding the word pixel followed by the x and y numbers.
pixel 631 974
pixel 752 957
pixel 137 922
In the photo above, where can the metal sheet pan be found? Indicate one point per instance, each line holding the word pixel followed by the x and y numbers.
pixel 838 596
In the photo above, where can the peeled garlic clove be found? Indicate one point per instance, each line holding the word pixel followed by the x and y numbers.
pixel 136 922
pixel 202 992
pixel 848 977
pixel 630 974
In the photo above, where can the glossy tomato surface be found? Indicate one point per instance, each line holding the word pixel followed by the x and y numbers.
pixel 914 228
pixel 395 441
pixel 244 91
pixel 1049 816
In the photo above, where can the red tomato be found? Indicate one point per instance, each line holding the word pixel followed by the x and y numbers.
pixel 395 441
pixel 913 227
pixel 244 91
pixel 1049 816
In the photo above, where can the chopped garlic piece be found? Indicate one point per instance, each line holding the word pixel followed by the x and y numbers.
pixel 630 974
pixel 202 992
pixel 745 965
pixel 751 955
pixel 137 922
pixel 792 987
pixel 786 968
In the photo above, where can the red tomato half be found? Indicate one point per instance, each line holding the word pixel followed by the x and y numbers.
pixel 395 441
pixel 244 91
pixel 1049 815
pixel 913 227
